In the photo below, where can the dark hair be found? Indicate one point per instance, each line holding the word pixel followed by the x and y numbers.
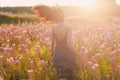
pixel 46 13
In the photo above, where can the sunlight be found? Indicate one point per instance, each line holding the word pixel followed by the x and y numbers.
pixel 118 2
pixel 88 4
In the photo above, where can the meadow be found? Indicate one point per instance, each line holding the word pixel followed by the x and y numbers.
pixel 10 18
pixel 25 50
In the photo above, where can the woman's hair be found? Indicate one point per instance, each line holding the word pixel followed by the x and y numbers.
pixel 46 13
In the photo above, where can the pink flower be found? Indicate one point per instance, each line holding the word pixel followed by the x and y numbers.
pixel 10 60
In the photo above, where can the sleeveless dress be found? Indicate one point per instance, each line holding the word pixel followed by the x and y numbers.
pixel 64 57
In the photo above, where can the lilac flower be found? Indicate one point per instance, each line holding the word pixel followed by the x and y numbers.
pixel 10 60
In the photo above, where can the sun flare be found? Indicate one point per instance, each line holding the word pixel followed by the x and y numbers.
pixel 118 2
pixel 88 4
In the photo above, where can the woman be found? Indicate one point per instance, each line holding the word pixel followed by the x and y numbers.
pixel 63 51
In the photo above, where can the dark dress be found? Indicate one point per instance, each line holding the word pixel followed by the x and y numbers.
pixel 64 59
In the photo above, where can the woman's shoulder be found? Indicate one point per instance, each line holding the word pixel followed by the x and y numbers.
pixel 69 27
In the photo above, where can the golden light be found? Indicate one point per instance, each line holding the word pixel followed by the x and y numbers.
pixel 88 4
pixel 118 2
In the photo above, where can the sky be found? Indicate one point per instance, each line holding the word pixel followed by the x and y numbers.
pixel 35 2
pixel 47 2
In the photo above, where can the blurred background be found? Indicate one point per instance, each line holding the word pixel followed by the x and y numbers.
pixel 81 9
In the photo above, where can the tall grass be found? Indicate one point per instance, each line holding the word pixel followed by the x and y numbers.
pixel 25 51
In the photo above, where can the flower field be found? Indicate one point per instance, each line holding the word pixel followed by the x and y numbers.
pixel 25 51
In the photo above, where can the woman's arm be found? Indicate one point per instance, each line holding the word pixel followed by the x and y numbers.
pixel 70 43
